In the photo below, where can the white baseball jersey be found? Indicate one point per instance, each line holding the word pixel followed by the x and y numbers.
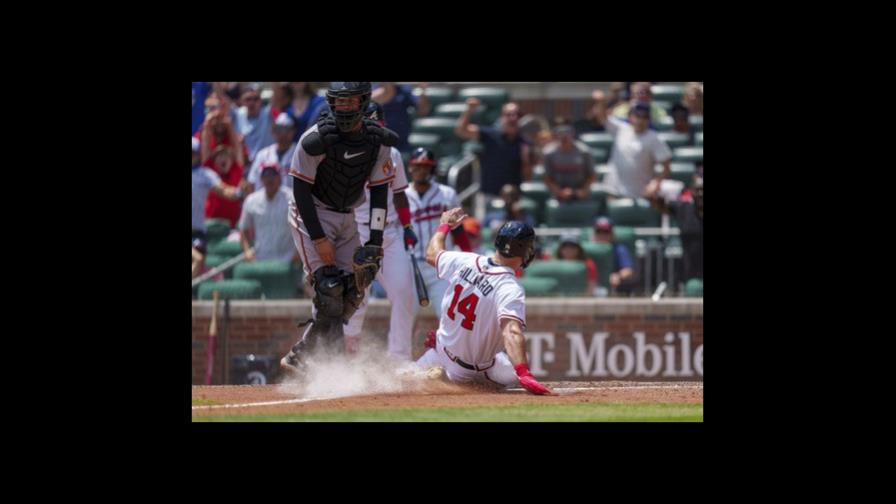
pixel 479 295
pixel 426 211
pixel 269 155
pixel 399 183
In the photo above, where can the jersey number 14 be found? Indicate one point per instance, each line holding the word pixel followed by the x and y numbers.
pixel 466 307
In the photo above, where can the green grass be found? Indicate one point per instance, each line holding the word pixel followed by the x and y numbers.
pixel 589 412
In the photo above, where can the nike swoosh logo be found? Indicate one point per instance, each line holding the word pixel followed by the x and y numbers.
pixel 353 155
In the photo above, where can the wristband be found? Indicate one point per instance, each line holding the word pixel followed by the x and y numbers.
pixel 443 228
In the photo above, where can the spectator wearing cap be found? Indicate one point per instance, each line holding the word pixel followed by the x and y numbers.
pixel 506 155
pixel 636 150
pixel 263 220
pixel 568 167
pixel 511 209
pixel 681 123
pixel 281 152
pixel 399 104
pixel 623 266
pixel 205 180
pixel 640 95
pixel 230 173
pixel 570 249
pixel 254 121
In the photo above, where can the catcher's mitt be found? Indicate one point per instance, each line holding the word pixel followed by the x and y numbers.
pixel 366 263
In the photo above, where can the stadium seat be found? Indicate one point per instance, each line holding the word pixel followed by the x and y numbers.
pixel 600 155
pixel 492 97
pixel 454 110
pixel 442 126
pixel 213 261
pixel 472 147
pixel 699 137
pixel 665 124
pixel 232 289
pixel 696 122
pixel 602 255
pixel 626 236
pixel 216 230
pixel 599 193
pixel 425 140
pixel 537 192
pixel 570 214
pixel 688 155
pixel 597 140
pixel 539 286
pixel 571 276
pixel 674 139
pixel 663 104
pixel 436 95
pixel 694 288
pixel 631 212
pixel 667 92
pixel 225 248
pixel 601 170
pixel 276 277
pixel 683 172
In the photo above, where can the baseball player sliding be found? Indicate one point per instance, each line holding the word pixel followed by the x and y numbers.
pixel 396 274
pixel 484 308
pixel 336 158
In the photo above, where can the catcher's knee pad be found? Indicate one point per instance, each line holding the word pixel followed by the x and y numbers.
pixel 328 292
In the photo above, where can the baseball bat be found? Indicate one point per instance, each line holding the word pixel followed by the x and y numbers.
pixel 212 336
pixel 422 295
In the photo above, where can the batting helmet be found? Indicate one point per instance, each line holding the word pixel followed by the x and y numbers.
pixel 347 120
pixel 516 239
pixel 424 157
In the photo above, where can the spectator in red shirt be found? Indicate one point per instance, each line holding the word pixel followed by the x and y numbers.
pixel 218 129
pixel 231 173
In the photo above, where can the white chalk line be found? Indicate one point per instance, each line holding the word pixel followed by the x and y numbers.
pixel 558 391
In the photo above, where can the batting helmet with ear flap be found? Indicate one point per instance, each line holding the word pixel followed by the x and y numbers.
pixel 348 120
pixel 375 113
pixel 425 157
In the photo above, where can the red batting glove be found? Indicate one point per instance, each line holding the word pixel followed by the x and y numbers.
pixel 529 382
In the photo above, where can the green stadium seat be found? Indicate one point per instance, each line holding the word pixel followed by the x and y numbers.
pixel 694 288
pixel 674 139
pixel 277 278
pixel 570 214
pixel 663 104
pixel 602 255
pixel 442 126
pixel 213 261
pixel 632 212
pixel 667 92
pixel 599 193
pixel 436 95
pixel 626 236
pixel 571 276
pixel 426 140
pixel 683 172
pixel 445 163
pixel 493 98
pixel 454 110
pixel 216 230
pixel 688 155
pixel 599 155
pixel 696 122
pixel 601 170
pixel 224 248
pixel 537 192
pixel 232 289
pixel 597 140
pixel 699 137
pixel 472 147
pixel 539 286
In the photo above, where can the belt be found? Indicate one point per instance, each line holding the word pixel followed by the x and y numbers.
pixel 464 364
pixel 339 210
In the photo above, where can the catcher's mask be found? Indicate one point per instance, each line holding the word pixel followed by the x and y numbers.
pixel 347 120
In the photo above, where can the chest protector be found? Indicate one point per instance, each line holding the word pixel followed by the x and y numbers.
pixel 348 160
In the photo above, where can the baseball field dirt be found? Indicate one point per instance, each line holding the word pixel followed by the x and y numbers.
pixel 437 400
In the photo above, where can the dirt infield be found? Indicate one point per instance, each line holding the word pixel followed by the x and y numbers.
pixel 244 400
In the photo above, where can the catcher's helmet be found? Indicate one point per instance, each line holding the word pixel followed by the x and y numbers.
pixel 516 239
pixel 374 112
pixel 347 120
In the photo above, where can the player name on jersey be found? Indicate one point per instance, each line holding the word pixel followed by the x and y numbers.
pixel 478 281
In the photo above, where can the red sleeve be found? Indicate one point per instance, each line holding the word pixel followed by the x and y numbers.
pixel 592 271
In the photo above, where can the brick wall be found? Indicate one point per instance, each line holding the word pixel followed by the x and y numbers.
pixel 568 339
